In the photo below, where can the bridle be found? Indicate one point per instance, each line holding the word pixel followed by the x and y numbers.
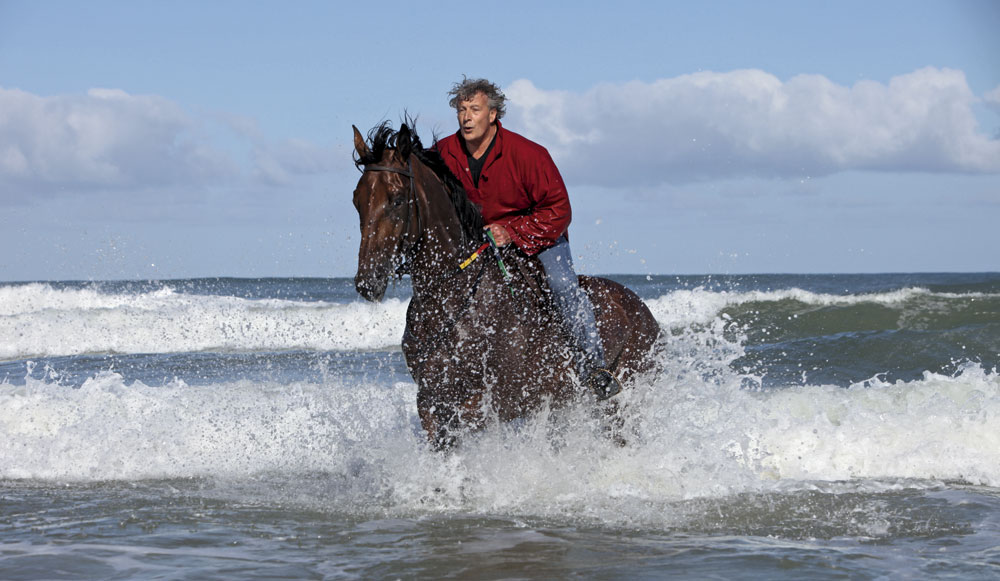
pixel 410 249
pixel 404 268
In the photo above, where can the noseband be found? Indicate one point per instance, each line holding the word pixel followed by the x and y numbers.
pixel 409 249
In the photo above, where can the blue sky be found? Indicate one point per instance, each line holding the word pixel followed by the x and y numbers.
pixel 183 139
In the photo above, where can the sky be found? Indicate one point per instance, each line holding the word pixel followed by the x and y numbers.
pixel 159 140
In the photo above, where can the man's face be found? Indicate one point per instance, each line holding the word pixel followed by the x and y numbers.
pixel 475 117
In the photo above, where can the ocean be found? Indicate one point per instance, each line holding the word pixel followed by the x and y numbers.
pixel 801 427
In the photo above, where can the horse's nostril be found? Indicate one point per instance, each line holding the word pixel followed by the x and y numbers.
pixel 370 289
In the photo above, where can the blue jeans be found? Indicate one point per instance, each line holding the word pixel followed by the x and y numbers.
pixel 574 305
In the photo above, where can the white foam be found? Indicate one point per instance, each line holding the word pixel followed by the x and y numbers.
pixel 41 321
pixel 36 297
pixel 109 430
pixel 699 306
pixel 360 447
pixel 941 427
pixel 694 433
pixel 37 320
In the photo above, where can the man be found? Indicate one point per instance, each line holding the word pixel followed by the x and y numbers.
pixel 524 202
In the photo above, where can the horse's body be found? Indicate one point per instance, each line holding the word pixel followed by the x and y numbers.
pixel 472 343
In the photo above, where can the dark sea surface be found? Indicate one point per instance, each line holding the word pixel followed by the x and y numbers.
pixel 802 426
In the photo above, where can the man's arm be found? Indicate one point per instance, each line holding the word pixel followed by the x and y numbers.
pixel 550 214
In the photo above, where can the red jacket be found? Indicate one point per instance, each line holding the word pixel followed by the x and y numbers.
pixel 519 188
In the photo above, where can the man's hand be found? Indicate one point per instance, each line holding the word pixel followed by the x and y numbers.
pixel 499 234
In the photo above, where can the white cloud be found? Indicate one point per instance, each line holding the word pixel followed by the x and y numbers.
pixel 992 99
pixel 277 163
pixel 111 140
pixel 748 122
pixel 104 139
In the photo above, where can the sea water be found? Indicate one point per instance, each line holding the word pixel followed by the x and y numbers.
pixel 821 426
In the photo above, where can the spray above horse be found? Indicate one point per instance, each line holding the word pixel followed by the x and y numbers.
pixel 475 342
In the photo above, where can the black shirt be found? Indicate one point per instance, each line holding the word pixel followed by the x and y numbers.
pixel 476 165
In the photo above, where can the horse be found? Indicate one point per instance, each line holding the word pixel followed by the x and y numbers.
pixel 476 342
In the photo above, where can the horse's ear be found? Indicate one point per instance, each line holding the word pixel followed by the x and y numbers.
pixel 359 144
pixel 403 141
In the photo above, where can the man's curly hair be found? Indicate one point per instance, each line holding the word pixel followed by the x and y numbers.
pixel 469 88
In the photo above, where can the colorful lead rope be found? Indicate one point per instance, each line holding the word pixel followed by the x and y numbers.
pixel 496 252
pixel 503 269
pixel 474 256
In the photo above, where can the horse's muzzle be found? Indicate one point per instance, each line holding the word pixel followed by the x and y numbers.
pixel 372 288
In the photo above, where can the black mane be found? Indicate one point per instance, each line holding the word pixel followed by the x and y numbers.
pixel 406 141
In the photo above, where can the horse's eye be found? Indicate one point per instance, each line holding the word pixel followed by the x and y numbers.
pixel 398 201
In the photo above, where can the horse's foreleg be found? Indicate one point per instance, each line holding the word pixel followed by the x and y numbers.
pixel 435 418
pixel 444 420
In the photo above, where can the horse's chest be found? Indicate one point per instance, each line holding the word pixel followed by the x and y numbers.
pixel 488 344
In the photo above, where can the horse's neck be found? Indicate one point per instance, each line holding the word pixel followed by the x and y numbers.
pixel 443 247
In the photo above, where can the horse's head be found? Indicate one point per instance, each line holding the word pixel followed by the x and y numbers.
pixel 386 202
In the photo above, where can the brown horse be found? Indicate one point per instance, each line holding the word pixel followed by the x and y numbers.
pixel 474 343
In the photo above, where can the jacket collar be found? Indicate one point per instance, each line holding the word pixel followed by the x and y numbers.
pixel 497 148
